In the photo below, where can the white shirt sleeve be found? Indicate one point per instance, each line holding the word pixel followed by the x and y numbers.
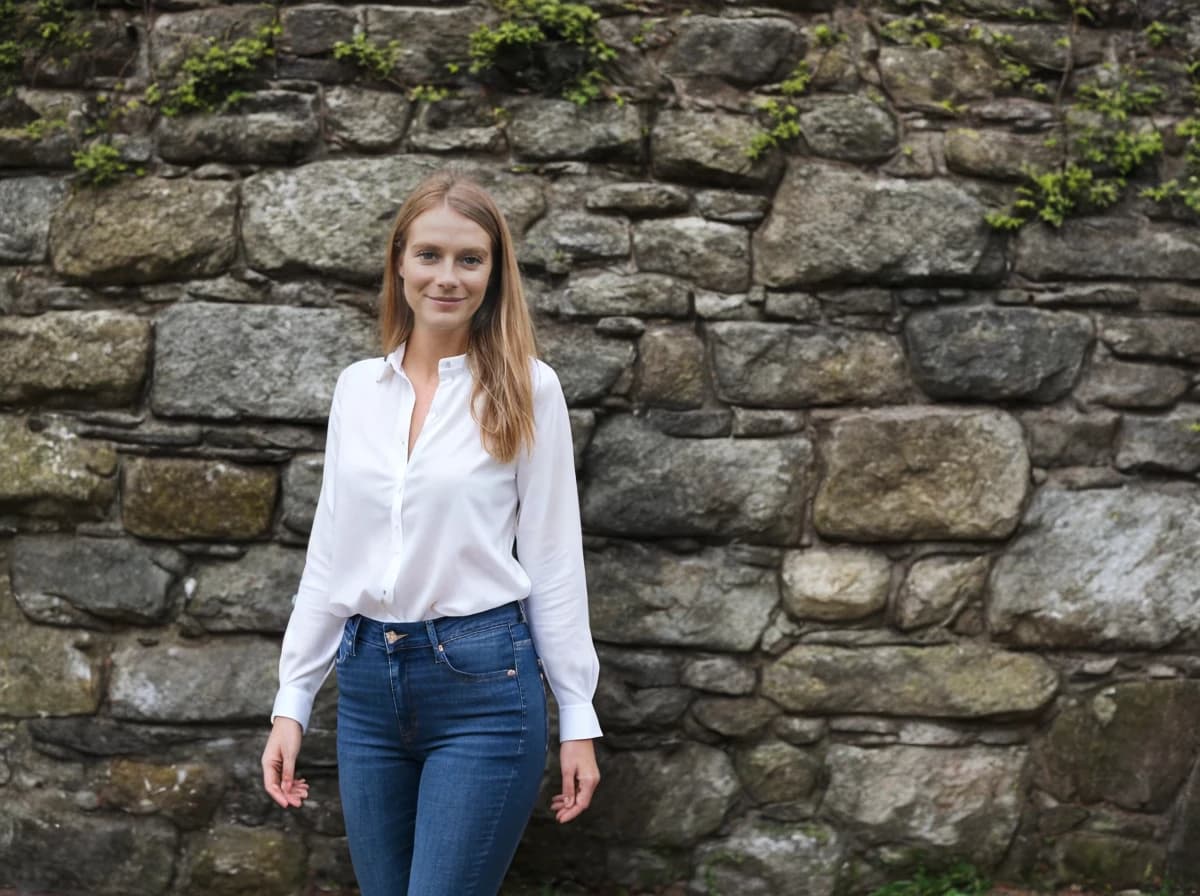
pixel 313 632
pixel 550 549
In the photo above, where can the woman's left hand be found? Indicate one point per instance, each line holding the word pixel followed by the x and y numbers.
pixel 580 776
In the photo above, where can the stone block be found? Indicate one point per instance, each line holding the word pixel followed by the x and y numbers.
pixel 176 498
pixel 922 474
pixel 72 357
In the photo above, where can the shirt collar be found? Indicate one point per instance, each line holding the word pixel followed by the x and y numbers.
pixel 448 368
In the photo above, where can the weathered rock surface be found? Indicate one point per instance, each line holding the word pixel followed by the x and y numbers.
pixel 142 230
pixel 238 861
pixel 1052 588
pixel 742 51
pixel 1108 860
pixel 249 363
pixel 774 771
pixel 179 498
pixel 683 794
pixel 588 364
pixel 558 129
pixel 644 483
pixel 855 227
pixel 50 472
pixel 301 489
pixel 766 858
pixel 614 294
pixel 1131 744
pixel 779 365
pixel 851 128
pixel 957 681
pixel 996 353
pixel 719 674
pixel 66 580
pixel 905 474
pixel 708 148
pixel 185 792
pixel 266 126
pixel 66 357
pixel 962 803
pixel 366 119
pixel 1099 248
pixel 26 206
pixel 252 594
pixel 710 254
pixel 926 79
pixel 222 681
pixel 1156 338
pixel 561 239
pixel 643 595
pixel 672 371
pixel 639 198
pixel 1168 443
pixel 1125 384
pixel 936 587
pixel 835 584
pixel 995 153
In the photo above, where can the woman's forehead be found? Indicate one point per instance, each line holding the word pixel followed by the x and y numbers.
pixel 443 225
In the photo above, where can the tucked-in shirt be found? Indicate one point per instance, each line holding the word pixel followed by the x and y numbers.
pixel 402 538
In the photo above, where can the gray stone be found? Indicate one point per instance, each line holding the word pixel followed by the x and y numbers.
pixel 937 587
pixel 583 424
pixel 644 483
pixel 301 488
pixel 952 803
pixel 612 293
pixel 639 199
pixel 106 577
pixel 315 28
pixel 185 792
pixel 252 594
pixel 671 367
pixel 947 681
pixel 266 126
pixel 1102 248
pixel 1107 860
pixel 543 129
pixel 175 36
pixel 742 51
pixel 184 498
pixel 683 794
pixel 232 860
pixel 922 474
pixel 777 772
pixel 333 217
pixel 719 675
pixel 1063 439
pixel 63 357
pixel 835 584
pixel 1130 744
pixel 996 353
pixel 560 240
pixel 456 126
pixel 49 472
pixel 1052 588
pixel 110 855
pixel 1168 444
pixel 429 39
pixel 712 255
pixel 1175 297
pixel 776 365
pixel 850 226
pixel 26 206
pixel 588 364
pixel 800 731
pixel 366 119
pixel 850 128
pixel 1041 45
pixel 230 680
pixel 857 301
pixel 733 717
pixel 644 595
pixel 1114 295
pixel 622 707
pixel 720 306
pixel 926 80
pixel 997 154
pixel 732 208
pixel 701 423
pixel 1123 384
pixel 750 422
pixel 710 148
pixel 145 229
pixel 1156 338
pixel 246 366
pixel 765 858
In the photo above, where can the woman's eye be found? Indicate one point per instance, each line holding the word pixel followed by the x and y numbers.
pixel 426 255
pixel 472 260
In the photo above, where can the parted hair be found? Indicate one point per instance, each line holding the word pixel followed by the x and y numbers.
pixel 501 344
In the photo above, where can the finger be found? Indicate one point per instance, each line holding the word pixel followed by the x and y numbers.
pixel 289 768
pixel 568 785
pixel 587 787
pixel 271 781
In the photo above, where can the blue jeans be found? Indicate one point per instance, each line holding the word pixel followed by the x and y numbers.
pixel 441 743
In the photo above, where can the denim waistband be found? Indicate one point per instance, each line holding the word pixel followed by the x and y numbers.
pixel 431 632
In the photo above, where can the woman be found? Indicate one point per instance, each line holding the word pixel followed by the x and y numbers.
pixel 440 457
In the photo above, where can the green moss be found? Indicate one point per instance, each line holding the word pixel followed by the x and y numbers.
pixel 375 60
pixel 99 164
pixel 214 78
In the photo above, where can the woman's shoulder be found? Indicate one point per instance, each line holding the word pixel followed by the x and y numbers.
pixel 545 380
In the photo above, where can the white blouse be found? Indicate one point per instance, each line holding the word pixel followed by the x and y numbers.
pixel 402 539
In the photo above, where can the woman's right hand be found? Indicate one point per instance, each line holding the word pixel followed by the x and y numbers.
pixel 279 764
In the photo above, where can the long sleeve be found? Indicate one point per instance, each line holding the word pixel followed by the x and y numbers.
pixel 550 549
pixel 313 632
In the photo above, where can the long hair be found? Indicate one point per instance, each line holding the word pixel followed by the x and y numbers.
pixel 501 343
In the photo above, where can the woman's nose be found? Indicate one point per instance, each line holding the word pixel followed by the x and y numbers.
pixel 446 275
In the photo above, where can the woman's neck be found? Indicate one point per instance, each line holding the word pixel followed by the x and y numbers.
pixel 423 350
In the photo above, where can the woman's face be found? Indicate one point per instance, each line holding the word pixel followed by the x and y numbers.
pixel 446 264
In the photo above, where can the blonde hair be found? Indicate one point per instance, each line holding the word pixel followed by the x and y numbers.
pixel 501 343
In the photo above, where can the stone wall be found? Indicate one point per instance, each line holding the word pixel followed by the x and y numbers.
pixel 892 519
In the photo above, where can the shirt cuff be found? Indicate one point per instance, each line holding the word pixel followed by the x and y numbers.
pixel 578 722
pixel 293 703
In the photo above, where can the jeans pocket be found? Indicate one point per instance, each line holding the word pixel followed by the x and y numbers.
pixel 346 645
pixel 485 655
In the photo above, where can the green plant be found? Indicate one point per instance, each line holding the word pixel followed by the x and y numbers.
pixel 377 61
pixel 783 117
pixel 826 36
pixel 213 77
pixel 99 164
pixel 1157 33
pixel 33 34
pixel 428 93
pixel 918 31
pixel 961 879
pixel 545 45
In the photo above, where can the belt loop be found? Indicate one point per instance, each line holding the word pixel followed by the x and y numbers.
pixel 521 608
pixel 352 629
pixel 435 641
